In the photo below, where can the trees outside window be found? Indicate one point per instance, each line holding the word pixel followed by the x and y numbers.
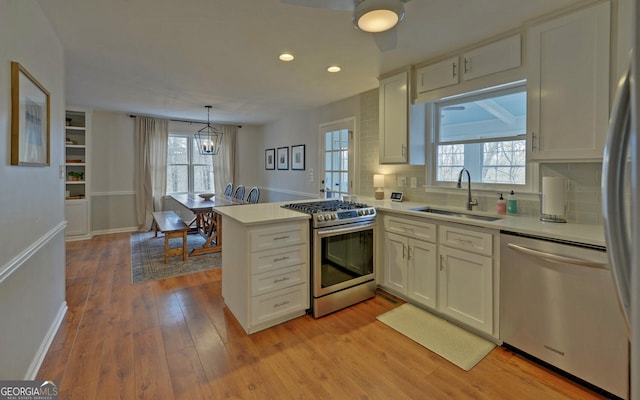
pixel 485 133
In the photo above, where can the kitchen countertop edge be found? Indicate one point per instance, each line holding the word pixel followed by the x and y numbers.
pixel 261 213
pixel 265 213
pixel 572 232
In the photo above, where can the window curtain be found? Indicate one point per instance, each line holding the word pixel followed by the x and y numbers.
pixel 224 163
pixel 152 136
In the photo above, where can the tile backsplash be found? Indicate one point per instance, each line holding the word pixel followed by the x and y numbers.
pixel 584 204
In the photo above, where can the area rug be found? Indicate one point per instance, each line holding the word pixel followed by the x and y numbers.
pixel 460 347
pixel 147 257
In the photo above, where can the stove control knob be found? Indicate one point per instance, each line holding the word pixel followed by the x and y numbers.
pixel 367 211
pixel 360 212
pixel 327 217
pixel 333 216
pixel 320 218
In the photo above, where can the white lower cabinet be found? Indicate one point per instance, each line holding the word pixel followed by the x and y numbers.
pixel 466 275
pixel 265 279
pixel 446 267
pixel 466 288
pixel 410 261
pixel 76 212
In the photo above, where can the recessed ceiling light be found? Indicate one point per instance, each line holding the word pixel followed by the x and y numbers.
pixel 334 68
pixel 286 57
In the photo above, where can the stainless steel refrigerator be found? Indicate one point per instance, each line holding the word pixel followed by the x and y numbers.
pixel 621 199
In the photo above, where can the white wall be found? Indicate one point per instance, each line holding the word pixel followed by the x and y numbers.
pixel 295 129
pixel 248 166
pixel 113 206
pixel 32 260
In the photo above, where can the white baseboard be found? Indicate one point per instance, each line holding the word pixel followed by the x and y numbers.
pixel 32 372
pixel 115 230
pixel 75 238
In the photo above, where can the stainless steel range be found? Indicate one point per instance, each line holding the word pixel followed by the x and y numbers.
pixel 342 253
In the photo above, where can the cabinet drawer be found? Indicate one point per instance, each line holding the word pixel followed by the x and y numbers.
pixel 278 279
pixel 269 260
pixel 272 305
pixel 464 239
pixel 415 229
pixel 279 236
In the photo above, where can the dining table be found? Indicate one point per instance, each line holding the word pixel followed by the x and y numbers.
pixel 206 221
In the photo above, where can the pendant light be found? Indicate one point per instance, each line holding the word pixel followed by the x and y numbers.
pixel 209 138
pixel 378 15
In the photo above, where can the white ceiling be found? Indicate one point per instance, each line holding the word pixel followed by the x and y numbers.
pixel 171 57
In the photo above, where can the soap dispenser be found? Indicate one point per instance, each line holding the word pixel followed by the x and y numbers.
pixel 501 205
pixel 512 204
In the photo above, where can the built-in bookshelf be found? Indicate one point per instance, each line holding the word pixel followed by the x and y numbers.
pixel 76 171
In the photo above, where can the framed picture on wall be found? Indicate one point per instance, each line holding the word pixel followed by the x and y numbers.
pixel 30 109
pixel 283 158
pixel 297 157
pixel 270 159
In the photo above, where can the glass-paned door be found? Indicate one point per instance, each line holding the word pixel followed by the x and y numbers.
pixel 337 157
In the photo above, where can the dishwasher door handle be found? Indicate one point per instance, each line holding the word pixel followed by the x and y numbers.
pixel 558 258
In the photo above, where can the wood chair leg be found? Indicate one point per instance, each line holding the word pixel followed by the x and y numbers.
pixel 166 248
pixel 184 245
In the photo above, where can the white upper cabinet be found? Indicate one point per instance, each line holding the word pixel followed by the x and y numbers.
pixel 402 124
pixel 501 55
pixel 495 57
pixel 394 118
pixel 568 85
pixel 438 75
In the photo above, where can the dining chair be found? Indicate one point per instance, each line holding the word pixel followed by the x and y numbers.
pixel 238 194
pixel 229 189
pixel 253 196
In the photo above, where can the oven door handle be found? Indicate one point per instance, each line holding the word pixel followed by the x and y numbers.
pixel 350 229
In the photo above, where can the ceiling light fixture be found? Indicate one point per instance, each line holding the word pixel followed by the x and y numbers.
pixel 209 138
pixel 378 15
pixel 334 68
pixel 286 57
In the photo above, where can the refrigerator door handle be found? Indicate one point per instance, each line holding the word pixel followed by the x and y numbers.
pixel 613 203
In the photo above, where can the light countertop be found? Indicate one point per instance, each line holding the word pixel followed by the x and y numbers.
pixel 261 213
pixel 264 213
pixel 579 233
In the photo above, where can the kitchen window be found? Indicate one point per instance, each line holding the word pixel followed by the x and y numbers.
pixel 483 132
pixel 188 171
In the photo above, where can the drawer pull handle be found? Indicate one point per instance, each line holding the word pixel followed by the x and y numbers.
pixel 284 303
pixel 286 278
pixel 281 259
pixel 441 262
pixel 403 250
pixel 281 237
pixel 408 252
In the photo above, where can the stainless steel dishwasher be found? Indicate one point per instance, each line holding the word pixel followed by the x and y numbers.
pixel 558 304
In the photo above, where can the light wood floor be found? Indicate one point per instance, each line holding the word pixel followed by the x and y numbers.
pixel 175 339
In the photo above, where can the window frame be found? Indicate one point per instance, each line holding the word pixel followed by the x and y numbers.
pixel 348 124
pixel 190 166
pixel 531 169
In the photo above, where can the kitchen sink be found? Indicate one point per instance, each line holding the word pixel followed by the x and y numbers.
pixel 456 214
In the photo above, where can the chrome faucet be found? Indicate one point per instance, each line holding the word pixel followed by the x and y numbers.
pixel 470 202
